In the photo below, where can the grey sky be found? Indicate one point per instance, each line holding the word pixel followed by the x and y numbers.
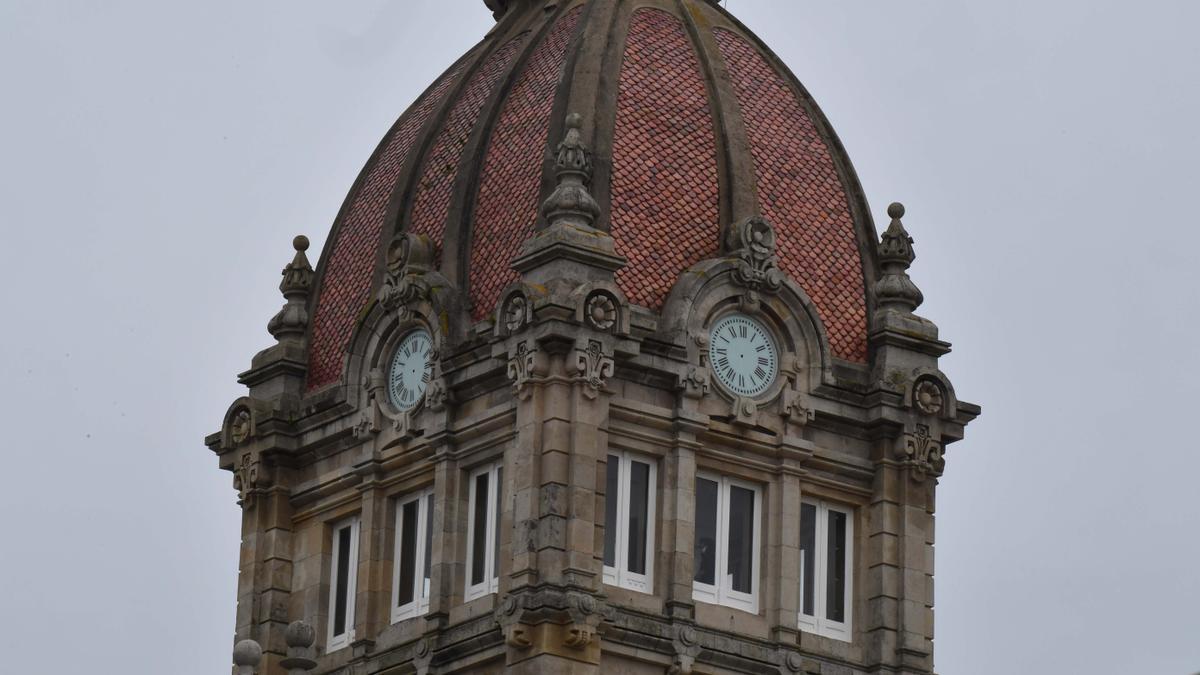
pixel 157 157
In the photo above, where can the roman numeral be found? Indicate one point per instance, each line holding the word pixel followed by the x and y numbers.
pixel 762 361
pixel 760 373
pixel 760 348
pixel 743 331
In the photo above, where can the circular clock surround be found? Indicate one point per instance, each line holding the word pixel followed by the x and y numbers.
pixel 743 355
pixel 410 370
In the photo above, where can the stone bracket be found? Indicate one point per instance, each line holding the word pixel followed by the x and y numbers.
pixel 564 623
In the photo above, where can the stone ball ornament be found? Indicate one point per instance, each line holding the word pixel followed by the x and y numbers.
pixel 300 634
pixel 247 653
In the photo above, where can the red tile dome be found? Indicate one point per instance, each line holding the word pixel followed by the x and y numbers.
pixel 694 124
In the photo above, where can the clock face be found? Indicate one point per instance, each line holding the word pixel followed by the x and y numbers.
pixel 411 370
pixel 743 356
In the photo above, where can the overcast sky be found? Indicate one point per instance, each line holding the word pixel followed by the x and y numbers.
pixel 156 159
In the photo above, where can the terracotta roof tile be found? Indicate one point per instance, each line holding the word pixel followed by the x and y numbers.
pixel 665 215
pixel 346 281
pixel 507 204
pixel 801 193
pixel 431 200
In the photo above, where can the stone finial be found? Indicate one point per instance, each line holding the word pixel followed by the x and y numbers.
pixel 895 290
pixel 247 654
pixel 292 321
pixel 571 203
pixel 501 7
pixel 300 637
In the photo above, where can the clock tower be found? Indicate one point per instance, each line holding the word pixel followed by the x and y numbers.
pixel 603 365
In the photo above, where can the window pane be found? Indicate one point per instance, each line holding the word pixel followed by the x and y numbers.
pixel 808 558
pixel 408 552
pixel 639 494
pixel 479 529
pixel 835 589
pixel 428 568
pixel 342 582
pixel 612 476
pixel 741 539
pixel 496 531
pixel 706 531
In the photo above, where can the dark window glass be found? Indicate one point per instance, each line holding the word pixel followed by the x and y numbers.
pixel 611 482
pixel 428 569
pixel 479 529
pixel 835 590
pixel 706 531
pixel 808 558
pixel 342 582
pixel 741 539
pixel 639 494
pixel 496 539
pixel 408 552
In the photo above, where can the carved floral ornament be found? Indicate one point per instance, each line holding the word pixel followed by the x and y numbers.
pixel 928 397
pixel 245 478
pixel 241 426
pixel 600 311
pixel 594 366
pixel 525 363
pixel 752 242
pixel 921 450
pixel 516 312
pixel 409 259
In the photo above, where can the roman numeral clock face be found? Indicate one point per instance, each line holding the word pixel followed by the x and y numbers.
pixel 743 356
pixel 411 370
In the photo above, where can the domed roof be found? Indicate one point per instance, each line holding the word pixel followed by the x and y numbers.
pixel 694 124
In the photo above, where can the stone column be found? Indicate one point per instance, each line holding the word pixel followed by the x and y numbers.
pixel 256 432
pixel 373 598
pixel 782 592
pixel 562 324
pixel 447 557
pixel 678 524
pixel 916 416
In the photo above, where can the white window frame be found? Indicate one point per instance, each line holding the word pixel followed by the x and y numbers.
pixel 421 591
pixel 620 575
pixel 492 584
pixel 722 592
pixel 838 630
pixel 343 639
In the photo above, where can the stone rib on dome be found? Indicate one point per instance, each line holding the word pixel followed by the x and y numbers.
pixel 507 205
pixel 349 263
pixel 695 125
pixel 798 185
